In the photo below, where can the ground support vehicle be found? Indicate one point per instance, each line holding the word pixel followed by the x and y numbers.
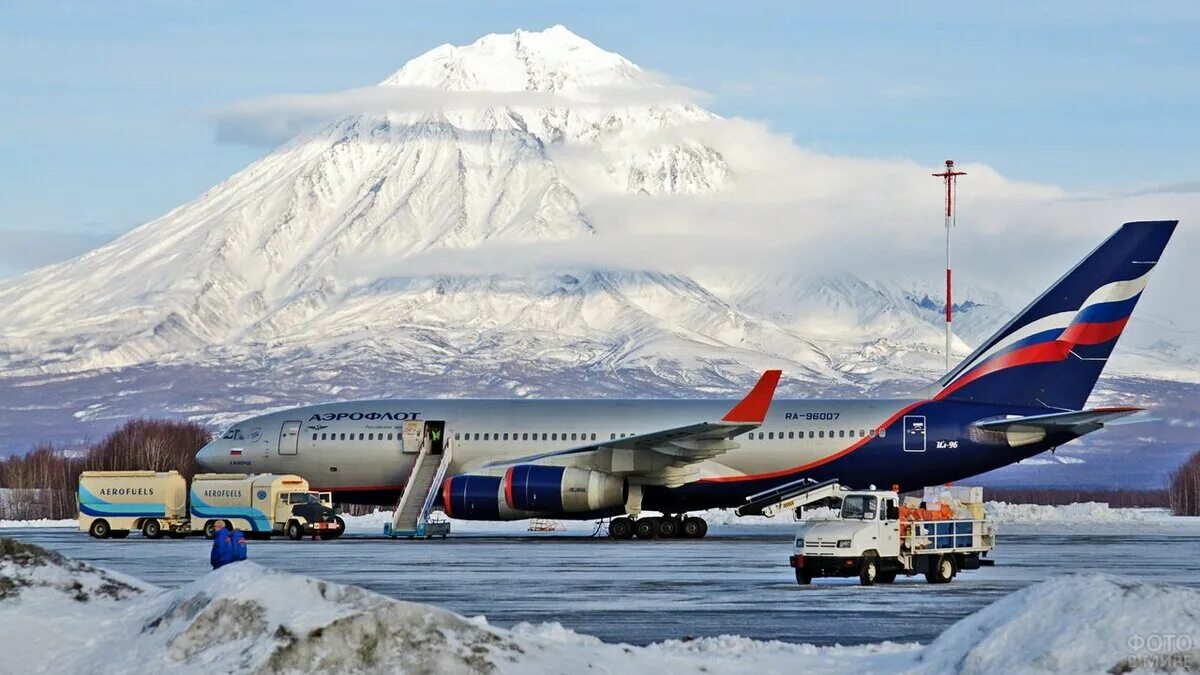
pixel 263 505
pixel 114 503
pixel 875 539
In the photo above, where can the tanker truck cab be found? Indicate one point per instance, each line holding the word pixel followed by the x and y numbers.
pixel 263 505
pixel 873 538
pixel 308 512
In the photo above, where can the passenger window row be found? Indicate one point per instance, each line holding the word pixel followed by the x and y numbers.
pixel 362 437
pixel 525 436
pixel 832 433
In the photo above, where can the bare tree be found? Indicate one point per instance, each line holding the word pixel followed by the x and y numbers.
pixel 1185 488
pixel 43 482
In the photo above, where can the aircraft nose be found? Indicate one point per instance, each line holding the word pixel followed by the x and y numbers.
pixel 206 455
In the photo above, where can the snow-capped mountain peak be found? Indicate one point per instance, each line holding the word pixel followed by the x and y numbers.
pixel 552 60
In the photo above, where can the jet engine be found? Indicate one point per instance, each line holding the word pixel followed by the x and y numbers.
pixel 528 491
pixel 556 489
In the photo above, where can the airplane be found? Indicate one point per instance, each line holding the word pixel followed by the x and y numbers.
pixel 1020 393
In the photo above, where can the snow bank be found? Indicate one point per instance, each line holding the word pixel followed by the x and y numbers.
pixel 38 522
pixel 1077 624
pixel 1085 513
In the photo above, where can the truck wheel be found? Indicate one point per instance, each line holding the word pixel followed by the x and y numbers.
pixel 152 529
pixel 942 570
pixel 646 528
pixel 620 528
pixel 803 577
pixel 868 571
pixel 100 529
pixel 294 531
pixel 694 528
pixel 886 577
pixel 119 534
pixel 209 532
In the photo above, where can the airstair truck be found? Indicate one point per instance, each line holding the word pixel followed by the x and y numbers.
pixel 112 503
pixel 876 539
pixel 263 505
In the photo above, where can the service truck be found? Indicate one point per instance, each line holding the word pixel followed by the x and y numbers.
pixel 113 503
pixel 263 505
pixel 874 539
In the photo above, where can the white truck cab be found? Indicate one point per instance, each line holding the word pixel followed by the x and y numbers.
pixel 875 539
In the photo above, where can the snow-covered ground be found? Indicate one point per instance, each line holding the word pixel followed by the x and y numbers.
pixel 70 617
pixel 1089 513
pixel 1082 514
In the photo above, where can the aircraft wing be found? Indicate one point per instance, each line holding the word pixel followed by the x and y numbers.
pixel 1081 421
pixel 668 456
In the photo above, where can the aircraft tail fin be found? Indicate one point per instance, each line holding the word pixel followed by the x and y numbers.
pixel 1052 353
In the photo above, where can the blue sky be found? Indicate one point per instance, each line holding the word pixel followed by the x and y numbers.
pixel 107 116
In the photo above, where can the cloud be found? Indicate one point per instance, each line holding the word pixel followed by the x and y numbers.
pixel 792 210
pixel 271 120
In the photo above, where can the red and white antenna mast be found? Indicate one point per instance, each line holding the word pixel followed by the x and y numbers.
pixel 950 176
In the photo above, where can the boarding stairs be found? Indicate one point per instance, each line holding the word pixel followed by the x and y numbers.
pixel 792 495
pixel 412 515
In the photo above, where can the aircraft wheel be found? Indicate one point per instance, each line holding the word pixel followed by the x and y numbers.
pixel 647 528
pixel 620 528
pixel 669 527
pixel 694 528
pixel 100 529
pixel 152 529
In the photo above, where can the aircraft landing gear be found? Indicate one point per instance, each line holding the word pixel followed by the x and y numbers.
pixel 653 527
pixel 620 528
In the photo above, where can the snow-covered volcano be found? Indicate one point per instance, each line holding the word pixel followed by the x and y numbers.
pixel 303 249
pixel 322 270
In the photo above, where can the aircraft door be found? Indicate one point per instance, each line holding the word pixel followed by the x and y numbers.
pixel 289 438
pixel 435 433
pixel 914 433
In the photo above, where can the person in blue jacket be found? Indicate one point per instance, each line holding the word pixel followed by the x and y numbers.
pixel 222 548
pixel 237 546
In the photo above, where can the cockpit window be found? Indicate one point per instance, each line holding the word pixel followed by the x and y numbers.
pixel 233 435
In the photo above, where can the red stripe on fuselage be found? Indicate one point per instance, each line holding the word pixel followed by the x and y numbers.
pixel 358 488
pixel 820 462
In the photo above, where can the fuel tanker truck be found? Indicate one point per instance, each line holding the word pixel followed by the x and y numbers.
pixel 263 505
pixel 114 503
